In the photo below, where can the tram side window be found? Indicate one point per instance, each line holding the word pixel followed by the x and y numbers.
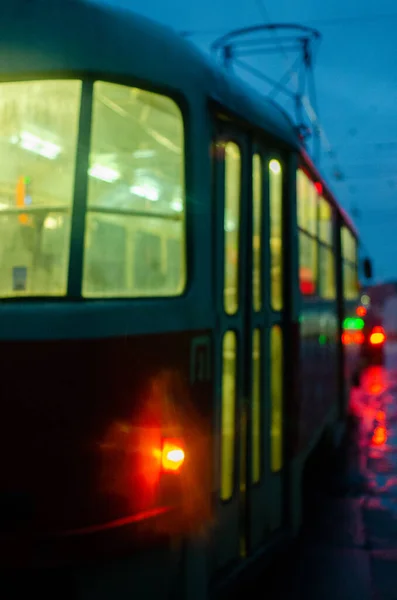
pixel 326 267
pixel 307 221
pixel 135 223
pixel 228 414
pixel 232 226
pixel 276 240
pixel 39 124
pixel 350 268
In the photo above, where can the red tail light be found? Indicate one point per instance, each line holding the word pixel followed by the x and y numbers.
pixel 380 436
pixel 377 336
pixel 172 455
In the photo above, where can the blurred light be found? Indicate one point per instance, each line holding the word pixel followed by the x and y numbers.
pixel 33 143
pixel 104 173
pixel 346 338
pixel 144 154
pixel 51 223
pixel 353 323
pixel 358 337
pixel 361 311
pixel 145 191
pixel 377 336
pixel 177 205
pixel 275 166
pixel 352 337
pixel 319 187
pixel 380 435
pixel 172 456
pixel 365 300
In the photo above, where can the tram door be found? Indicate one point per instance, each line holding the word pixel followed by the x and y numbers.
pixel 248 346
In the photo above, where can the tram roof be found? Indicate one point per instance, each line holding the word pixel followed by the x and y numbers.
pixel 41 38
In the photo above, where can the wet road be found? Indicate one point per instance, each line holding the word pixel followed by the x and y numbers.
pixel 348 546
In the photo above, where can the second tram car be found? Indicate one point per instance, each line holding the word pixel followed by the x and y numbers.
pixel 174 275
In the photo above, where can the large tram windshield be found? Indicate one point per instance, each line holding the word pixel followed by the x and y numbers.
pixel 134 225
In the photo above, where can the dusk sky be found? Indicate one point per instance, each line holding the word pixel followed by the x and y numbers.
pixel 356 81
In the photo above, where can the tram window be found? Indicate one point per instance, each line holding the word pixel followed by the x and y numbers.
pixel 256 230
pixel 325 221
pixel 232 226
pixel 228 416
pixel 307 264
pixel 327 283
pixel 306 203
pixel 350 281
pixel 256 406
pixel 135 187
pixel 276 390
pixel 276 245
pixel 349 245
pixel 39 123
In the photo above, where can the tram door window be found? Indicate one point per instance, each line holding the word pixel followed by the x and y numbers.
pixel 276 387
pixel 275 365
pixel 228 414
pixel 276 245
pixel 232 226
pixel 233 255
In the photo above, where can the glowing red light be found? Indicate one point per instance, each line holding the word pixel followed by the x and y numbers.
pixel 377 336
pixel 380 435
pixel 172 456
pixel 319 187
pixel 358 337
pixel 361 311
pixel 307 288
pixel 346 338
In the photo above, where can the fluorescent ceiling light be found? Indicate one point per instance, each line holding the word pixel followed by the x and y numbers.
pixel 104 173
pixel 33 143
pixel 177 205
pixel 144 154
pixel 145 191
pixel 275 166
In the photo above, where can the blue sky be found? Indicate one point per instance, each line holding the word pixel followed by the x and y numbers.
pixel 356 80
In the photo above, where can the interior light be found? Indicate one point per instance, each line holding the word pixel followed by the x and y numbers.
pixel 103 173
pixel 275 166
pixel 177 205
pixel 145 191
pixel 51 222
pixel 172 455
pixel 33 143
pixel 144 154
pixel 377 336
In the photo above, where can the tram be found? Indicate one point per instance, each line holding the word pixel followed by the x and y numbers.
pixel 174 275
